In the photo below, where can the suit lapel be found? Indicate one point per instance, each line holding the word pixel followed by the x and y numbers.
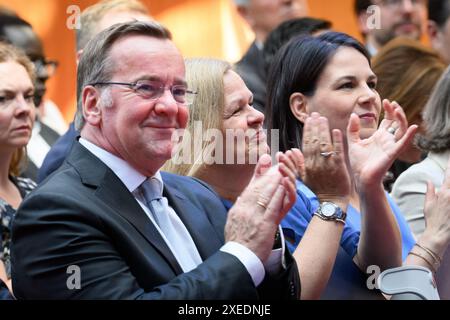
pixel 200 228
pixel 113 193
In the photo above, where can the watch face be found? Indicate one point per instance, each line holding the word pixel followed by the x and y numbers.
pixel 328 210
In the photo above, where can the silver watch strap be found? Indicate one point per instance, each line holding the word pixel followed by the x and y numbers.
pixel 334 219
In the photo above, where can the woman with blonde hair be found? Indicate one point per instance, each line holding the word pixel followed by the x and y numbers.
pixel 211 118
pixel 17 113
pixel 407 72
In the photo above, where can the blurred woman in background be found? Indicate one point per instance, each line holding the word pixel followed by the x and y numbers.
pixel 410 189
pixel 220 116
pixel 17 113
pixel 407 72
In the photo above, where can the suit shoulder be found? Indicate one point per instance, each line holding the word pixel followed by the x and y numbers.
pixel 418 173
pixel 188 184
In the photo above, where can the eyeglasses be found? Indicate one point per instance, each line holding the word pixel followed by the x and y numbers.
pixel 153 90
pixel 399 3
pixel 45 67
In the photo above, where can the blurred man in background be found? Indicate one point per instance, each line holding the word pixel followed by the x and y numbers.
pixel 439 27
pixel 406 18
pixel 263 16
pixel 93 20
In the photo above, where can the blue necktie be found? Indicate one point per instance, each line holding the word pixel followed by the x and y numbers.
pixel 178 238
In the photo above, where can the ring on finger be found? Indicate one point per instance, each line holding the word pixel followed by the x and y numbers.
pixel 261 204
pixel 391 130
pixel 327 154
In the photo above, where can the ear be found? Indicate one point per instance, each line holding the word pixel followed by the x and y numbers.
pixel 244 12
pixel 92 111
pixel 362 23
pixel 298 104
pixel 79 53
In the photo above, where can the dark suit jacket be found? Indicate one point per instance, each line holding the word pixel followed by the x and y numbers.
pixel 252 71
pixel 83 215
pixel 58 153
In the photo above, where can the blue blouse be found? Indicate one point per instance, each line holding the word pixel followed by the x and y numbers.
pixel 347 281
pixel 297 220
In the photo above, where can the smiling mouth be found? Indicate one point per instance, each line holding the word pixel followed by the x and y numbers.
pixel 368 118
pixel 367 115
pixel 407 27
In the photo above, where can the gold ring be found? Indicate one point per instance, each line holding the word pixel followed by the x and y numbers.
pixel 260 203
pixel 327 154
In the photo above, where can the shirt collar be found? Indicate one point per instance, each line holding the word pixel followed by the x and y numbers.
pixel 440 158
pixel 371 49
pixel 259 45
pixel 36 127
pixel 130 177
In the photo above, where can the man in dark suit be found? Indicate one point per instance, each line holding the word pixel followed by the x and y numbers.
pixel 109 225
pixel 263 16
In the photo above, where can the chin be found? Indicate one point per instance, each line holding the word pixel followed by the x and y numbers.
pixel 253 155
pixel 366 132
pixel 20 143
pixel 161 152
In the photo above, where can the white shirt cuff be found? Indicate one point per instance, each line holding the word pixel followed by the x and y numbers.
pixel 250 261
pixel 276 260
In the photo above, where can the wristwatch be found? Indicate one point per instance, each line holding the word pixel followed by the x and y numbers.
pixel 330 212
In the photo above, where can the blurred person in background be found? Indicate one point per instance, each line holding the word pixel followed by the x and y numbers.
pixel 17 114
pixel 407 18
pixel 289 29
pixel 413 186
pixel 407 72
pixel 263 16
pixel 93 19
pixel 20 34
pixel 439 27
pixel 410 188
pixel 48 112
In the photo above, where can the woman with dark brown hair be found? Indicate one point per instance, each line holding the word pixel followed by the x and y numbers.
pixel 17 113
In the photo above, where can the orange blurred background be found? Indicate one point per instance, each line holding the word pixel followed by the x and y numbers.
pixel 199 27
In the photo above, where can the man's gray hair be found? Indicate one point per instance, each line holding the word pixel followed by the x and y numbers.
pixel 96 65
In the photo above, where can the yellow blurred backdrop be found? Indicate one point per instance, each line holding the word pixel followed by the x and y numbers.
pixel 209 28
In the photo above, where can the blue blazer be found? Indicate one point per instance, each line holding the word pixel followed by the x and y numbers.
pixel 58 153
pixel 84 216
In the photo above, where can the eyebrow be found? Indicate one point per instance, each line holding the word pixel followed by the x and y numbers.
pixel 9 91
pixel 353 78
pixel 237 101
